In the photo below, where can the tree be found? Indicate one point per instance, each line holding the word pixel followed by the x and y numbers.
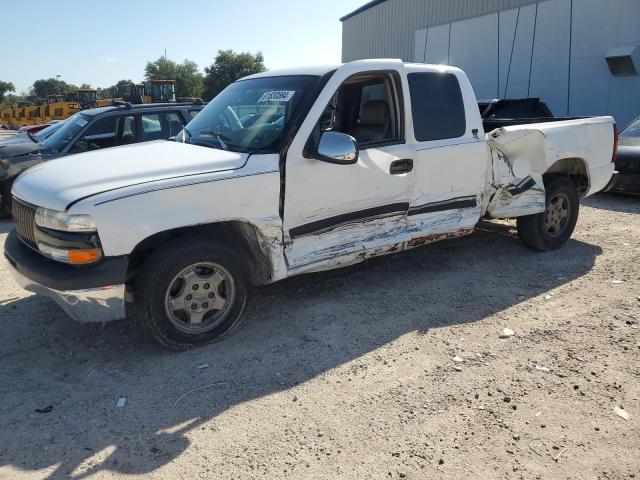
pixel 85 86
pixel 186 74
pixel 161 69
pixel 228 67
pixel 6 87
pixel 50 86
pixel 114 90
pixel 12 101
pixel 189 80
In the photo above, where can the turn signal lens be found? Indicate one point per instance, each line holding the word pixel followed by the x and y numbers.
pixel 84 256
pixel 74 257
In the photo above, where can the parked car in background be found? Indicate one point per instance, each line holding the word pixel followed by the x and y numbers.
pixel 628 159
pixel 500 112
pixel 36 128
pixel 95 129
pixel 23 142
pixel 365 159
pixel 514 108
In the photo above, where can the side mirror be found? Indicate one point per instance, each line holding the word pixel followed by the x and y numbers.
pixel 337 148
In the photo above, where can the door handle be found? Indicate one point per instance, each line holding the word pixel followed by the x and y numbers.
pixel 399 167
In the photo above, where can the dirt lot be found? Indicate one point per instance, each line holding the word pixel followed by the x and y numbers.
pixel 351 374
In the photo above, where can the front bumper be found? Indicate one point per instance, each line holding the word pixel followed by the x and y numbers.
pixel 88 294
pixel 89 306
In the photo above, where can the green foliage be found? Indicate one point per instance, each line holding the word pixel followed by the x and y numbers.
pixel 113 91
pixel 11 101
pixel 6 87
pixel 50 86
pixel 189 80
pixel 229 67
pixel 186 74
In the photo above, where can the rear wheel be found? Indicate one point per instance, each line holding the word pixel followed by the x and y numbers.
pixel 190 293
pixel 550 229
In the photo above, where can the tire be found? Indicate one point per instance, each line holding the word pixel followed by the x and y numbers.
pixel 550 229
pixel 183 275
pixel 5 190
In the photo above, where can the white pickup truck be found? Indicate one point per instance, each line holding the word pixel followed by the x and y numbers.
pixel 285 173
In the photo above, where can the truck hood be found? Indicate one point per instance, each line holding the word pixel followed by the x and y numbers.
pixel 58 183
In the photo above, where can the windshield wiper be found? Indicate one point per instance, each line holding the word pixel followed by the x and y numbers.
pixel 220 137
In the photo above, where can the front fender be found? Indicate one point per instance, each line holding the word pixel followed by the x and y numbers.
pixel 126 218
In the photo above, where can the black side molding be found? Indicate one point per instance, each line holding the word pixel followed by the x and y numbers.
pixel 401 208
pixel 333 222
pixel 451 204
pixel 522 187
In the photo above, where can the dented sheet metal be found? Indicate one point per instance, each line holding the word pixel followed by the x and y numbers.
pixel 430 227
pixel 519 160
pixel 347 244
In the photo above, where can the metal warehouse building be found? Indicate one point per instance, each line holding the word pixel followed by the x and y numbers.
pixel 582 57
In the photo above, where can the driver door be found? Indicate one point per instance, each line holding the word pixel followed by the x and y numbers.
pixel 339 214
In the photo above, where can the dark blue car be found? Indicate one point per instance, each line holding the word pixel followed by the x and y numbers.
pixel 93 129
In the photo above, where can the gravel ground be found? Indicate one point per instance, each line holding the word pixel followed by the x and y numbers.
pixel 351 374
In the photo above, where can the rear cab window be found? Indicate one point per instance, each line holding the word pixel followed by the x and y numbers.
pixel 437 106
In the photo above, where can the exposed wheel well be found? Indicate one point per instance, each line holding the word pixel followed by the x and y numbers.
pixel 237 234
pixel 575 169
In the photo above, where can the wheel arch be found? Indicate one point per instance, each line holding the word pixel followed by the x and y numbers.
pixel 573 168
pixel 236 233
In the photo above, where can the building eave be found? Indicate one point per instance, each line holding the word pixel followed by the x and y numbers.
pixel 364 7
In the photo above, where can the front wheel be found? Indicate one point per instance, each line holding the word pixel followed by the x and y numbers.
pixel 190 293
pixel 550 229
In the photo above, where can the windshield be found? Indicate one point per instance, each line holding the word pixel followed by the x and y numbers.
pixel 66 132
pixel 250 115
pixel 46 132
pixel 632 130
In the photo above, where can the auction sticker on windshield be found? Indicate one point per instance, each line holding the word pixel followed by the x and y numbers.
pixel 277 96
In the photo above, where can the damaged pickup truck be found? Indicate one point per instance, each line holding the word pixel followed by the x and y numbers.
pixel 337 165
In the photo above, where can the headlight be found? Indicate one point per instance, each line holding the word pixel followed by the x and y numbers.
pixel 64 221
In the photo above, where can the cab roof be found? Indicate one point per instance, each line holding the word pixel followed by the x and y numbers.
pixel 320 70
pixel 92 112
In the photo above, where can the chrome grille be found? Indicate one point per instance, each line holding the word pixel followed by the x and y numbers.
pixel 24 220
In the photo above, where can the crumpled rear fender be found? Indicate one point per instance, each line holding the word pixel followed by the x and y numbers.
pixel 519 160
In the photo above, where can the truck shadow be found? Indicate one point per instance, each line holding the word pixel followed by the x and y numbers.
pixel 295 330
pixel 616 202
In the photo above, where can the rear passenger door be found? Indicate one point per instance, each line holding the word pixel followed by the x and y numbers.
pixel 160 126
pixel 452 158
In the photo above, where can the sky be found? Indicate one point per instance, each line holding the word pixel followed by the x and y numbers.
pixel 101 42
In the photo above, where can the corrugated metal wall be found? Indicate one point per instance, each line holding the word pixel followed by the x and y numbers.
pixel 388 29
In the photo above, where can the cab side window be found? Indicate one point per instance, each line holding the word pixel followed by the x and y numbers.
pixel 437 106
pixel 365 107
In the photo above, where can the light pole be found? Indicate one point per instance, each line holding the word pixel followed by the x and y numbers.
pixel 58 79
